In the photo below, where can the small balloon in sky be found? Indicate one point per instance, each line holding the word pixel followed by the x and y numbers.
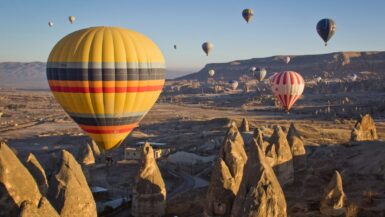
pixel 248 14
pixel 71 19
pixel 207 47
pixel 326 29
pixel 50 23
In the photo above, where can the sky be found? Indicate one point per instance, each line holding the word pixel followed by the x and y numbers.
pixel 279 27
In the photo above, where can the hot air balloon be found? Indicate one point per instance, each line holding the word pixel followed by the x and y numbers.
pixel 261 74
pixel 175 46
pixel 207 47
pixel 287 87
pixel 71 19
pixel 233 84
pixel 287 60
pixel 326 29
pixel 247 14
pixel 50 23
pixel 318 79
pixel 106 79
pixel 211 72
pixel 354 77
pixel 252 69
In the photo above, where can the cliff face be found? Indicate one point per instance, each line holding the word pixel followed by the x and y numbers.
pixel 338 65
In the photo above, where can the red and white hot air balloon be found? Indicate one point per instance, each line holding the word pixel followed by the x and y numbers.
pixel 287 87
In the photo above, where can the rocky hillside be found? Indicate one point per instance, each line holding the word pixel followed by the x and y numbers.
pixel 23 75
pixel 340 64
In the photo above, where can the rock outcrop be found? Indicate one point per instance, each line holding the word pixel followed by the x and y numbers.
pixel 258 136
pixel 16 183
pixel 280 156
pixel 364 130
pixel 245 125
pixel 260 194
pixel 69 192
pixel 333 201
pixel 44 208
pixel 297 148
pixel 227 174
pixel 87 156
pixel 37 172
pixel 149 192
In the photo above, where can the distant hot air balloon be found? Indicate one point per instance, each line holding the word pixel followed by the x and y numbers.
pixel 247 14
pixel 71 19
pixel 252 69
pixel 233 84
pixel 326 29
pixel 318 79
pixel 211 72
pixel 104 83
pixel 260 74
pixel 354 77
pixel 287 87
pixel 50 23
pixel 287 60
pixel 207 47
pixel 175 46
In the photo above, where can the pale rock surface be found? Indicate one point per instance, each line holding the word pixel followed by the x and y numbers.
pixel 297 148
pixel 227 174
pixel 38 173
pixel 149 191
pixel 16 183
pixel 87 157
pixel 333 202
pixel 68 191
pixel 364 130
pixel 43 209
pixel 260 194
pixel 280 156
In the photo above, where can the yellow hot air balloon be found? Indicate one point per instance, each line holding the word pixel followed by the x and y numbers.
pixel 106 79
pixel 71 19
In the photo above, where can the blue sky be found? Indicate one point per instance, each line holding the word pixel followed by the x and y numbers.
pixel 278 26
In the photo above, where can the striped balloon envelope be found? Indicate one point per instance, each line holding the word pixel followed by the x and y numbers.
pixel 287 87
pixel 106 79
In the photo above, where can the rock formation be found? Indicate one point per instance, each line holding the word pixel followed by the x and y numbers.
pixel 44 208
pixel 245 125
pixel 297 148
pixel 37 172
pixel 69 192
pixel 87 157
pixel 258 136
pixel 260 194
pixel 334 199
pixel 364 130
pixel 96 149
pixel 280 156
pixel 16 183
pixel 149 192
pixel 227 174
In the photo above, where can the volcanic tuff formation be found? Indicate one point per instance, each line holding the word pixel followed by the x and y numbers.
pixel 227 174
pixel 149 192
pixel 16 183
pixel 260 194
pixel 297 148
pixel 69 192
pixel 87 155
pixel 280 156
pixel 37 172
pixel 44 208
pixel 334 199
pixel 364 130
pixel 245 125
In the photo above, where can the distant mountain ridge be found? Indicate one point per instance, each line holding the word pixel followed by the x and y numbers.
pixel 32 75
pixel 337 63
